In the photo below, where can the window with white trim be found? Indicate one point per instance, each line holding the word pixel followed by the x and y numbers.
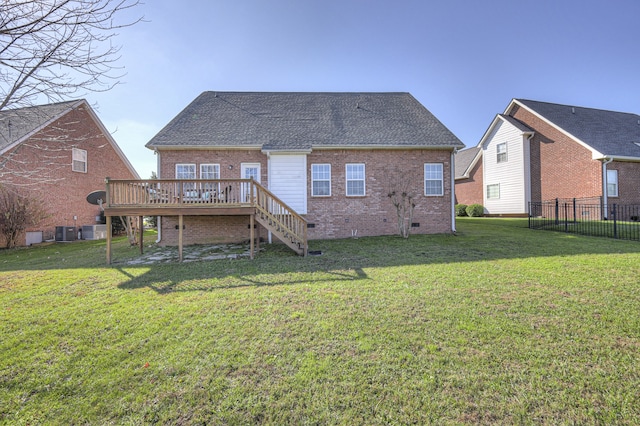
pixel 185 171
pixel 79 160
pixel 210 171
pixel 433 179
pixel 493 191
pixel 355 180
pixel 612 183
pixel 321 180
pixel 501 152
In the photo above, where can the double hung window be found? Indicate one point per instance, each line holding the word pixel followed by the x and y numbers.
pixel 321 180
pixel 612 183
pixel 433 179
pixel 355 180
pixel 501 152
pixel 79 160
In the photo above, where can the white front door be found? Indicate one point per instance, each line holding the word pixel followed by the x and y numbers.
pixel 248 171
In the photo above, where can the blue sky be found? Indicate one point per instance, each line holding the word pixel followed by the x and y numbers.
pixel 463 60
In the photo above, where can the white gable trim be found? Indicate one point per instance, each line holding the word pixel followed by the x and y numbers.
pixel 110 139
pixel 498 118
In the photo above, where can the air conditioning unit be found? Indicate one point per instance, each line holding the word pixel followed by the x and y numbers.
pixel 94 232
pixel 65 233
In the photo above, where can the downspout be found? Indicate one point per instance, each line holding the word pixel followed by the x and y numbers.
pixel 605 198
pixel 453 190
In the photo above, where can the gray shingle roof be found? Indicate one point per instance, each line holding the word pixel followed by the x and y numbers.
pixel 609 132
pixel 304 120
pixel 464 158
pixel 17 123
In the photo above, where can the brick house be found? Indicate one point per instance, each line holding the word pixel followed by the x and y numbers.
pixel 59 153
pixel 331 157
pixel 468 176
pixel 539 151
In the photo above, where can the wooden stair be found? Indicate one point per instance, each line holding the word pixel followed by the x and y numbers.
pixel 280 219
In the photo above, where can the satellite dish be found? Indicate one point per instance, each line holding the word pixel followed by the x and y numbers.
pixel 97 198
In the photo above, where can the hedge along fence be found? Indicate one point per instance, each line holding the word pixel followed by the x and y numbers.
pixel 587 216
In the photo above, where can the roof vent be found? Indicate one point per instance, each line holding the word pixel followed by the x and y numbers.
pixel 573 110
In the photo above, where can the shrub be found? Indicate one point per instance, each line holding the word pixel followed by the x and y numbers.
pixel 461 209
pixel 475 210
pixel 18 211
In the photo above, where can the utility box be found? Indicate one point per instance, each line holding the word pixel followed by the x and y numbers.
pixel 34 237
pixel 94 232
pixel 65 233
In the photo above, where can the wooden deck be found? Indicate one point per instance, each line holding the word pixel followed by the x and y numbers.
pixel 228 197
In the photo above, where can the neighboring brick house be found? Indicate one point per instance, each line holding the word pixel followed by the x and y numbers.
pixel 59 153
pixel 468 181
pixel 538 151
pixel 332 157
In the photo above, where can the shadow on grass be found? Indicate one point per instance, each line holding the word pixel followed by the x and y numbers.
pixel 163 281
pixel 478 239
pixel 341 260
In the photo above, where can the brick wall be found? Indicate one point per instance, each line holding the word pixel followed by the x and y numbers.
pixel 208 229
pixel 337 216
pixel 470 191
pixel 229 162
pixel 628 182
pixel 62 191
pixel 560 167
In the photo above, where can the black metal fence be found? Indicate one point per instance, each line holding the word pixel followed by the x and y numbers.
pixel 587 216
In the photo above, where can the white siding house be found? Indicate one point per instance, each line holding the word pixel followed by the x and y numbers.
pixel 506 167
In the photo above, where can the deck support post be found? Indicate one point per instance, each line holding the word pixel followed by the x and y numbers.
pixel 108 240
pixel 180 226
pixel 141 230
pixel 257 239
pixel 251 234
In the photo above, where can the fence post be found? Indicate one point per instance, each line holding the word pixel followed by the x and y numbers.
pixel 615 221
pixel 566 218
pixel 557 212
pixel 575 218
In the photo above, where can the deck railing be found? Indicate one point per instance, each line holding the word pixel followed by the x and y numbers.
pixel 175 192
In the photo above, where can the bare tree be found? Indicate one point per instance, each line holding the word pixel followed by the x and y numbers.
pixel 56 49
pixel 17 213
pixel 403 199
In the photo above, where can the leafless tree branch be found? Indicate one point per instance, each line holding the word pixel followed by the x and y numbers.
pixel 58 48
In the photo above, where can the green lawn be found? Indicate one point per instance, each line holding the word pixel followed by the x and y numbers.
pixel 499 324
